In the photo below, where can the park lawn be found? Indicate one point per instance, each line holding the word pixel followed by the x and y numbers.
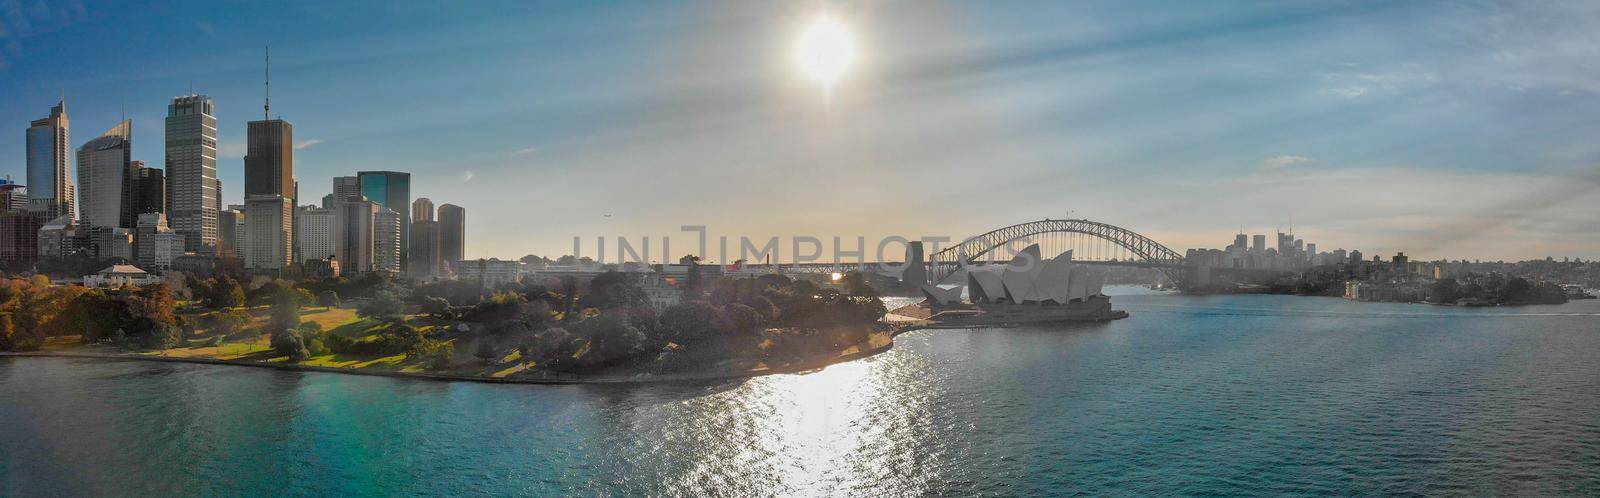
pixel 329 318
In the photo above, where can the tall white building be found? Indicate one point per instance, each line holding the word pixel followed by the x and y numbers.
pixel 193 191
pixel 269 232
pixel 104 167
pixel 386 241
pixel 313 233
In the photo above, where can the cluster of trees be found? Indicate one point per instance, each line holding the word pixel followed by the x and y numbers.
pixel 1512 291
pixel 32 310
pixel 612 324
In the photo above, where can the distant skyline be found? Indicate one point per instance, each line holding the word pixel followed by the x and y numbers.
pixel 1441 129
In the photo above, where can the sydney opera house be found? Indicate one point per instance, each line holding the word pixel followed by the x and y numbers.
pixel 1028 289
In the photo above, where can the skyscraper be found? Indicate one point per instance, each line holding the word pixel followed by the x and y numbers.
pixel 194 193
pixel 392 190
pixel 452 233
pixel 106 174
pixel 149 190
pixel 388 230
pixel 346 188
pixel 353 236
pixel 424 240
pixel 313 236
pixel 269 191
pixel 49 164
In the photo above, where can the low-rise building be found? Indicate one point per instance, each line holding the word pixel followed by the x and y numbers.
pixel 120 276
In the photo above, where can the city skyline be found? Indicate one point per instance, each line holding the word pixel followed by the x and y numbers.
pixel 1388 137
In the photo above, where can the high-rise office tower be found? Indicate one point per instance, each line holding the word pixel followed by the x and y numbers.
pixel 149 190
pixel 452 233
pixel 106 174
pixel 392 190
pixel 388 230
pixel 269 194
pixel 194 193
pixel 269 232
pixel 1240 242
pixel 353 236
pixel 425 260
pixel 49 164
pixel 228 223
pixel 313 236
pixel 269 158
pixel 346 188
pixel 1258 243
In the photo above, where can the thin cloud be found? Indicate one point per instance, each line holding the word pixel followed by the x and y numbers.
pixel 207 28
pixel 1274 163
pixel 523 151
pixel 305 144
pixel 468 175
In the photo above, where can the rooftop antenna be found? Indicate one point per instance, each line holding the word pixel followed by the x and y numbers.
pixel 266 107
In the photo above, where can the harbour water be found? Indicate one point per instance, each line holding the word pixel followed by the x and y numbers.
pixel 1230 395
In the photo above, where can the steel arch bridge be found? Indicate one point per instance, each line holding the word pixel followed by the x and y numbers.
pixel 1142 250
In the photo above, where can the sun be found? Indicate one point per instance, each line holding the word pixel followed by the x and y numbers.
pixel 825 50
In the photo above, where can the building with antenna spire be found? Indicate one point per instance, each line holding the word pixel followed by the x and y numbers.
pixel 269 190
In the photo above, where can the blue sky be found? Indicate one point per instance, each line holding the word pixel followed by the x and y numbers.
pixel 1443 129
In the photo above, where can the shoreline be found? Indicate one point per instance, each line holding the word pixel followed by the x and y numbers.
pixel 797 367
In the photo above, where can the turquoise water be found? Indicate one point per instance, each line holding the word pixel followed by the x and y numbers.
pixel 1191 395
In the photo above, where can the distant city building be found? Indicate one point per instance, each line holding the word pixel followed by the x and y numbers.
pixel 58 238
pixel 452 233
pixel 149 190
pixel 49 164
pixel 269 232
pixel 19 235
pixel 489 272
pixel 155 244
pixel 354 236
pixel 105 173
pixel 229 225
pixel 387 233
pixel 314 233
pixel 107 242
pixel 194 192
pixel 346 188
pixel 392 190
pixel 425 256
pixel 13 197
pixel 269 190
pixel 1258 243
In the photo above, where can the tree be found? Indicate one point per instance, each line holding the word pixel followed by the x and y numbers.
pixel 385 306
pixel 685 322
pixel 223 292
pixel 328 299
pixel 229 323
pixel 13 338
pixel 737 318
pixel 486 351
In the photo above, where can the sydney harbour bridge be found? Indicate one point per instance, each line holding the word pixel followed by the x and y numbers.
pixel 1091 242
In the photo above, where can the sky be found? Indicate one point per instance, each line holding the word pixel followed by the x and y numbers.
pixel 1462 129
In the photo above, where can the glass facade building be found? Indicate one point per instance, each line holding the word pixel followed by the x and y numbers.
pixel 392 191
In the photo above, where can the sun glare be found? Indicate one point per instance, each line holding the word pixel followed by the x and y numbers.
pixel 825 50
